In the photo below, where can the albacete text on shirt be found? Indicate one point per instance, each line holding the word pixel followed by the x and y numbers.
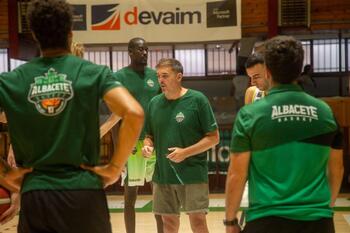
pixel 294 111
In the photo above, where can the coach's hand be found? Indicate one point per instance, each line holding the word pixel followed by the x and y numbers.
pixel 109 173
pixel 147 151
pixel 177 154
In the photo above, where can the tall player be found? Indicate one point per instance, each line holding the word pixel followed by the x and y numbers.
pixel 142 83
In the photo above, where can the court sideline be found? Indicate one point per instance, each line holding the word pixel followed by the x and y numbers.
pixel 145 222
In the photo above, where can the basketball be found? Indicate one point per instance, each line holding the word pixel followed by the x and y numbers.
pixel 5 200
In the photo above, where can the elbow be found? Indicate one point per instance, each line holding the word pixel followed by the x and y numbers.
pixel 237 178
pixel 137 116
pixel 216 138
pixel 140 114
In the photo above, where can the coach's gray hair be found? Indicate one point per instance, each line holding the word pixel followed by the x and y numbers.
pixel 171 62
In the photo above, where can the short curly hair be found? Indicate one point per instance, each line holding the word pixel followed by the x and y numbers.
pixel 254 59
pixel 50 21
pixel 284 57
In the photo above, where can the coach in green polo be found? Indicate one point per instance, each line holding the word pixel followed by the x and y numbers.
pixel 181 127
pixel 288 146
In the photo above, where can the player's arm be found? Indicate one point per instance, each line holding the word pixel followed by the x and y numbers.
pixel 11 177
pixel 148 141
pixel 11 212
pixel 122 104
pixel 3 118
pixel 248 97
pixel 208 141
pixel 235 181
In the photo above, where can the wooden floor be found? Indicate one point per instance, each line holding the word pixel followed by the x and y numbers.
pixel 146 223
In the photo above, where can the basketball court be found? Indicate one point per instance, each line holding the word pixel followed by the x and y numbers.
pixel 213 40
pixel 146 222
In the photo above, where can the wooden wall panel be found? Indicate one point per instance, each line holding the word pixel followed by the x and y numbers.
pixel 3 22
pixel 254 17
pixel 330 14
pixel 325 15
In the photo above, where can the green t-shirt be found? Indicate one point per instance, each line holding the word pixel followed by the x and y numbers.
pixel 180 123
pixel 142 87
pixel 51 106
pixel 289 134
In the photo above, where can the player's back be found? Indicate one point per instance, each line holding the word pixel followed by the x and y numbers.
pixel 52 110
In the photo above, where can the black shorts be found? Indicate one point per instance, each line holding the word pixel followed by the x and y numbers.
pixel 282 225
pixel 83 211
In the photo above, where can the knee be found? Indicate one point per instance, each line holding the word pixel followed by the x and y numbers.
pixel 129 202
pixel 170 223
pixel 198 221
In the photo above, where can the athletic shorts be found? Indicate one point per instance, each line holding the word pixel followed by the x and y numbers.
pixel 274 224
pixel 52 211
pixel 170 199
pixel 139 168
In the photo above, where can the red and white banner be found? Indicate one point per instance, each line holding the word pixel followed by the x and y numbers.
pixel 113 21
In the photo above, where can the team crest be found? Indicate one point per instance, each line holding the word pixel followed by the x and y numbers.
pixel 150 83
pixel 180 117
pixel 50 93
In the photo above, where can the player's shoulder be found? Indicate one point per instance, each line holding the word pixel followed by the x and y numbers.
pixel 251 89
pixel 88 66
pixel 249 94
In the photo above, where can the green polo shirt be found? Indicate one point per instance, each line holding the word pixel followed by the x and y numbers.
pixel 180 123
pixel 289 134
pixel 142 86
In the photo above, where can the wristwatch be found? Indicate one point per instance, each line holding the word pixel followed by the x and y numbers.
pixel 233 222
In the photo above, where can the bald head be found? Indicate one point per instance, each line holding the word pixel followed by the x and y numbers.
pixel 138 51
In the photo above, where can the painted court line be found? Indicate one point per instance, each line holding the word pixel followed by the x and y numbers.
pixel 112 204
pixel 213 203
pixel 347 218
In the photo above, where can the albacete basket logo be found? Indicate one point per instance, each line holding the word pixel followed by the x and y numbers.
pixel 180 117
pixel 50 92
pixel 150 83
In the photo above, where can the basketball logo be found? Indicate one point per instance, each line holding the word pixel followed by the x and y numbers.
pixel 50 92
pixel 180 117
pixel 150 83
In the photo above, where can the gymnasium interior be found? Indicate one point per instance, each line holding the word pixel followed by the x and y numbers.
pixel 213 65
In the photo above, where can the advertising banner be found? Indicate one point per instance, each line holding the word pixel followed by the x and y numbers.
pixel 157 21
